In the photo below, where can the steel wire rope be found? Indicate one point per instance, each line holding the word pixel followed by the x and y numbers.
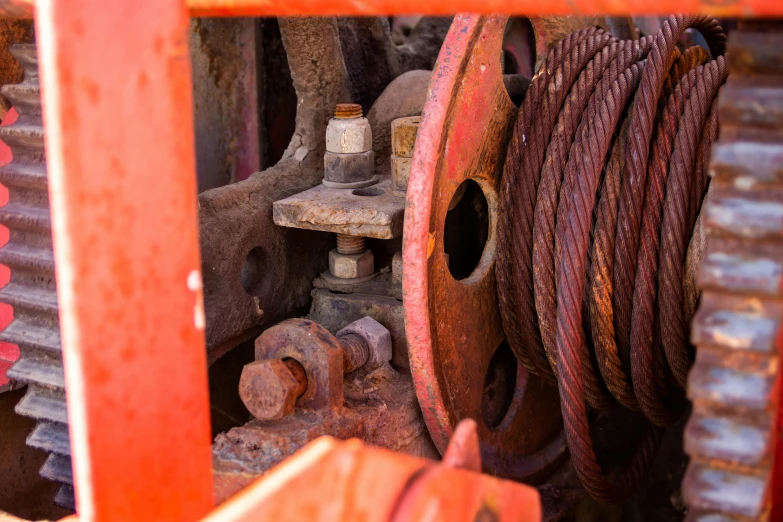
pixel 602 188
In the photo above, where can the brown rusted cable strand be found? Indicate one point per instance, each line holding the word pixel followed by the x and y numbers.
pixel 610 132
pixel 516 289
pixel 641 118
pixel 675 229
pixel 587 158
pixel 651 391
pixel 504 263
pixel 594 80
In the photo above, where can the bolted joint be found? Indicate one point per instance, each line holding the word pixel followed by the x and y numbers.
pixel 269 389
pixel 376 337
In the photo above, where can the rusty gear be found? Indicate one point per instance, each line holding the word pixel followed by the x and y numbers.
pixel 731 433
pixel 602 186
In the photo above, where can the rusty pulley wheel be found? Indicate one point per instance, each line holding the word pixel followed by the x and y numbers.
pixel 602 185
pixel 461 365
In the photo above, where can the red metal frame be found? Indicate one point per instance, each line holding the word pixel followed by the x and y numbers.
pixel 122 180
pixel 741 8
pixel 123 194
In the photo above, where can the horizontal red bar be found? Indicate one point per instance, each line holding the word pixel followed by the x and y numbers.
pixel 741 8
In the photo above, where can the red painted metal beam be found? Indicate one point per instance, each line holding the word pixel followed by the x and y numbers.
pixel 741 8
pixel 352 482
pixel 123 193
pixel 746 8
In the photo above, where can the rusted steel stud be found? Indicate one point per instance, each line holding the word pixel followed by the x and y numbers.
pixel 356 351
pixel 349 244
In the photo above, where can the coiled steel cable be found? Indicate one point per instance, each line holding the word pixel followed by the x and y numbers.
pixel 602 187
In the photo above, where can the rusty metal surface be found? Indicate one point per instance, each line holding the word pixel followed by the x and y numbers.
pixel 351 481
pixel 248 280
pixel 225 99
pixel 300 361
pixel 17 8
pixel 379 407
pixel 12 32
pixel 412 487
pixel 370 212
pixel 463 134
pixel 31 290
pixel 732 435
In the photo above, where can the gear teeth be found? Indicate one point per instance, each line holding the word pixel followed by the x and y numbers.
pixel 58 469
pixel 43 404
pixel 31 291
pixel 734 383
pixel 65 498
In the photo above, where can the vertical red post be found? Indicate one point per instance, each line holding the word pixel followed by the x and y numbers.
pixel 120 152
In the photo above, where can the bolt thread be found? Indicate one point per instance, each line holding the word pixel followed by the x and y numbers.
pixel 350 244
pixel 356 351
pixel 347 111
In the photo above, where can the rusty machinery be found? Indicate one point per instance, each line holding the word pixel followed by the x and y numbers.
pixel 534 269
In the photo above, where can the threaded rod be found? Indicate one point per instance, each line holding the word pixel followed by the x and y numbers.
pixel 356 351
pixel 350 244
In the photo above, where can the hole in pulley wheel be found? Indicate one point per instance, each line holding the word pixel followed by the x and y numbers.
pixel 499 385
pixel 467 229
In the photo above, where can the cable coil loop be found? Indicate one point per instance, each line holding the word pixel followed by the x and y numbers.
pixel 602 188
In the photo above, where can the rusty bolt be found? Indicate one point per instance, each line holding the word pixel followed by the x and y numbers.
pixel 269 388
pixel 376 337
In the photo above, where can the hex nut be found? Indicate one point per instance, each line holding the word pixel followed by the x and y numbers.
pixel 377 336
pixel 348 136
pixel 268 389
pixel 351 266
pixel 403 132
pixel 352 170
pixel 400 172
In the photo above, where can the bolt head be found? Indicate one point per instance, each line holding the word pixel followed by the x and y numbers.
pixel 351 266
pixel 268 389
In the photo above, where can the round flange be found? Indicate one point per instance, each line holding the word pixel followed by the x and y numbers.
pixel 453 326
